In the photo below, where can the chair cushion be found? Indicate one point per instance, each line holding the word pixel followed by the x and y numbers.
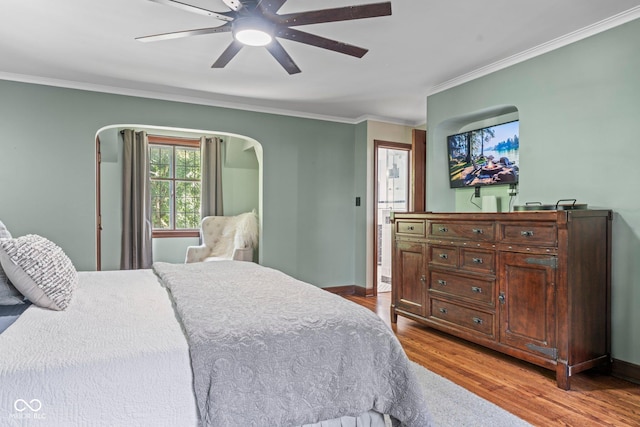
pixel 215 258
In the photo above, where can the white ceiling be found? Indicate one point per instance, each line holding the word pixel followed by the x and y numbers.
pixel 424 47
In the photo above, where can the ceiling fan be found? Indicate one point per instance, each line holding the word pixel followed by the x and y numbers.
pixel 257 23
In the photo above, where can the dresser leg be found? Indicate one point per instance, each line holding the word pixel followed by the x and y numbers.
pixel 562 376
pixel 394 315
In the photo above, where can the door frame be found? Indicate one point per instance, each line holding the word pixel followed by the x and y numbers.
pixel 394 146
pixel 98 206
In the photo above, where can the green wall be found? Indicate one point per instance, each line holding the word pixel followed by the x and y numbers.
pixel 47 173
pixel 240 177
pixel 579 108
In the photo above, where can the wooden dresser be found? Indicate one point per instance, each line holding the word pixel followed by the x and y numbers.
pixel 534 285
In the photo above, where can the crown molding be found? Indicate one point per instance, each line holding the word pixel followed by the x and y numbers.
pixel 113 90
pixel 388 120
pixel 583 33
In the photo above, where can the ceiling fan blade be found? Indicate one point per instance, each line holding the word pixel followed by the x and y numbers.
pixel 235 5
pixel 188 33
pixel 313 40
pixel 271 6
pixel 229 53
pixel 195 9
pixel 281 55
pixel 336 14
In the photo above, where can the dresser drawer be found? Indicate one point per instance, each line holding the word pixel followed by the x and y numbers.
pixel 443 255
pixel 477 231
pixel 410 227
pixel 478 260
pixel 462 287
pixel 529 234
pixel 469 318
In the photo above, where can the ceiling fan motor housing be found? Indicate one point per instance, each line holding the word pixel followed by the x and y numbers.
pixel 253 31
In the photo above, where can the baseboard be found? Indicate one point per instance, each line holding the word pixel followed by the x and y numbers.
pixel 626 371
pixel 347 290
pixel 341 290
pixel 360 291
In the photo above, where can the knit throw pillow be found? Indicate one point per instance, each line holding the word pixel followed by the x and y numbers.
pixel 40 270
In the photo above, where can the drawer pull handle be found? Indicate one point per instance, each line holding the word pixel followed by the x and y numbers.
pixel 442 282
pixel 443 229
pixel 526 233
pixel 423 278
pixel 443 256
pixel 443 310
pixel 477 321
pixel 476 289
pixel 477 260
pixel 478 230
pixel 410 228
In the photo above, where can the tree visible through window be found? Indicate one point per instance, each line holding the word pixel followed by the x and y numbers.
pixel 175 174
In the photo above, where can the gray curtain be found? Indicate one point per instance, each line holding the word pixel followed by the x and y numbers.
pixel 136 250
pixel 211 158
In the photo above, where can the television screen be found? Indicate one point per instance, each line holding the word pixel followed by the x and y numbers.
pixel 487 156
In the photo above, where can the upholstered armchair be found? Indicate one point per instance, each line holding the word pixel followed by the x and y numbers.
pixel 226 238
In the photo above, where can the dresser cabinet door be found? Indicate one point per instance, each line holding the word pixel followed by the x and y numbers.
pixel 409 277
pixel 527 302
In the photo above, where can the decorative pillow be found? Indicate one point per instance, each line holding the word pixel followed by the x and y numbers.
pixel 40 270
pixel 8 294
pixel 4 233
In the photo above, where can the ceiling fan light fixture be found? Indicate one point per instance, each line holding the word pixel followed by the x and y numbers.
pixel 253 37
pixel 252 32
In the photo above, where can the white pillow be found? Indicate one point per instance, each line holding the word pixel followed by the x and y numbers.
pixel 4 233
pixel 40 270
pixel 8 294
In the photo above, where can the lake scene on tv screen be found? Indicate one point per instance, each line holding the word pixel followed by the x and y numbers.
pixel 487 156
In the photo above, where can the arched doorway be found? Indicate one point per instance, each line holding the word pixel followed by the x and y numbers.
pixel 242 173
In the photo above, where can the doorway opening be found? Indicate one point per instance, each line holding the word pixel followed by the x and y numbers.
pixel 392 174
pixel 242 188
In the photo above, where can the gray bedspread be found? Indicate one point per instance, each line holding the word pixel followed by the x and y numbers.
pixel 274 351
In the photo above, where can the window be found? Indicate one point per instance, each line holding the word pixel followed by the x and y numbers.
pixel 175 186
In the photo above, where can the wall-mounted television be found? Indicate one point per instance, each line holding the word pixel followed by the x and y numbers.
pixel 486 156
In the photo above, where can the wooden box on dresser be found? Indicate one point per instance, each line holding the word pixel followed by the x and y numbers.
pixel 534 285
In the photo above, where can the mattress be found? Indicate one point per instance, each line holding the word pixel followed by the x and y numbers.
pixel 116 357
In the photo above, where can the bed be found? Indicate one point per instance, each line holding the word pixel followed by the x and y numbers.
pixel 224 343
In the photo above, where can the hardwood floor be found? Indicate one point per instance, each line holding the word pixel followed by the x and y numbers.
pixel 523 389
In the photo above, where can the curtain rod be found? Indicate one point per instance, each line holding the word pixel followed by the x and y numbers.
pixel 177 137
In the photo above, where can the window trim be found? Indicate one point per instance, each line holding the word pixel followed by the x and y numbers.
pixel 182 142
